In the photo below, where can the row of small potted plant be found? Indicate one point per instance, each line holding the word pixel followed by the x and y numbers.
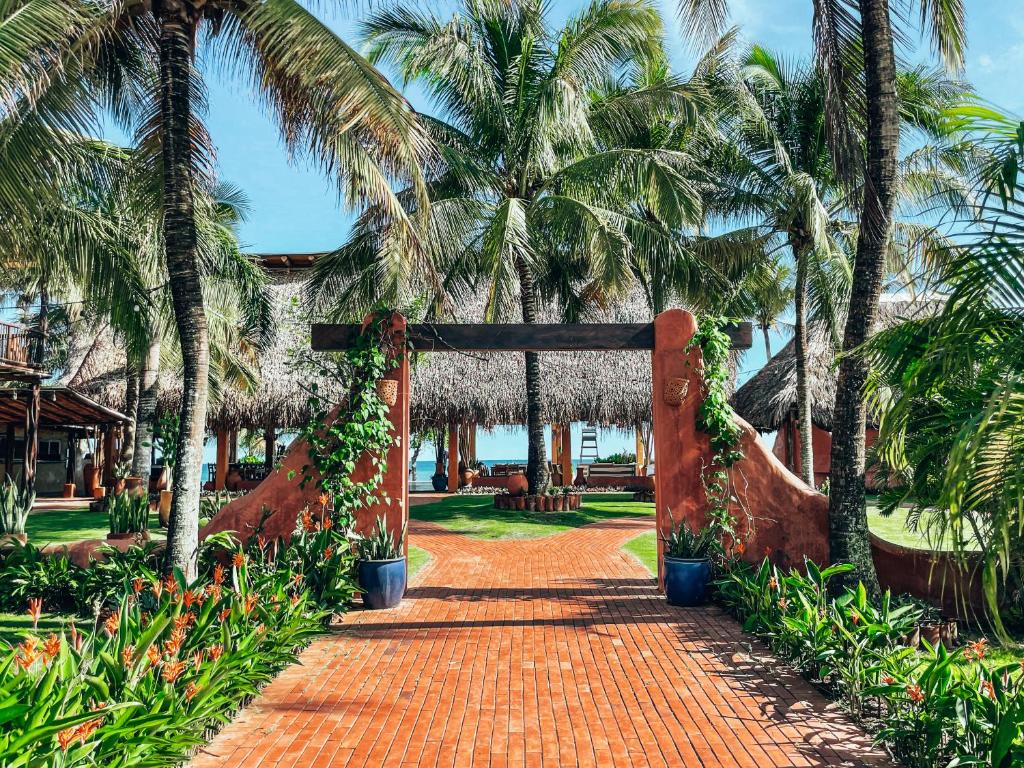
pixel 556 499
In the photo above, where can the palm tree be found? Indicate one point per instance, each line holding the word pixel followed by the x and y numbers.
pixel 771 293
pixel 522 181
pixel 854 51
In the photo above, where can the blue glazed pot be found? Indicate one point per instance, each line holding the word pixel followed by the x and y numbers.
pixel 686 580
pixel 382 582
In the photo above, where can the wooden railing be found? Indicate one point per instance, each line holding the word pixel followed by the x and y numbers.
pixel 18 347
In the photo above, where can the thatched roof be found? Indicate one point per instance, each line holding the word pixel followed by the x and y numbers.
pixel 609 388
pixel 612 388
pixel 767 399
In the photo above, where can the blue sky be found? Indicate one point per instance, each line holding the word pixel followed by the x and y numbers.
pixel 294 208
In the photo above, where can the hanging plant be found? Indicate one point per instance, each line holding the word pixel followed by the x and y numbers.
pixel 361 426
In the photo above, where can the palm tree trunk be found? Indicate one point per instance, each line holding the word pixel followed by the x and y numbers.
pixel 31 458
pixel 847 519
pixel 767 341
pixel 186 292
pixel 803 391
pixel 131 408
pixel 537 476
pixel 145 418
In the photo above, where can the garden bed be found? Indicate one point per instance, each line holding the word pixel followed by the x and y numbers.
pixel 539 502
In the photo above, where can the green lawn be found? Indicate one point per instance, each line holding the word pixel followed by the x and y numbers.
pixel 418 557
pixel 13 627
pixel 475 516
pixel 62 526
pixel 645 549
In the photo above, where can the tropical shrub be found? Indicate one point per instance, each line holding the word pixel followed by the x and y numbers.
pixel 690 543
pixel 930 708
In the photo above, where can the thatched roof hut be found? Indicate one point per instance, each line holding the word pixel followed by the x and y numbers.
pixel 768 398
pixel 488 388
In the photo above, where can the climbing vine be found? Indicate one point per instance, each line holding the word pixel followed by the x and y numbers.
pixel 338 435
pixel 715 419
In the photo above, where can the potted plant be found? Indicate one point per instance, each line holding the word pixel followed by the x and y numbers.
pixel 382 568
pixel 930 623
pixel 558 498
pixel 128 515
pixel 15 504
pixel 688 562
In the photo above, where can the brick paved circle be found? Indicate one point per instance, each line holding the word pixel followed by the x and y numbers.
pixel 554 651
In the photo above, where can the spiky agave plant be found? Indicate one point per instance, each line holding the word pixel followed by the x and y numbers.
pixel 15 504
pixel 128 512
pixel 381 544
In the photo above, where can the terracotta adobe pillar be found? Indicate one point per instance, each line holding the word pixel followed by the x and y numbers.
pixel 220 482
pixel 566 452
pixel 453 457
pixel 677 444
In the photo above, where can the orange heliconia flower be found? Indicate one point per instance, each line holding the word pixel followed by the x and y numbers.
pixel 783 603
pixel 66 738
pixel 295 600
pixel 740 548
pixel 218 574
pixel 307 522
pixel 138 585
pixel 324 498
pixel 215 651
pixel 172 671
pixel 182 621
pixel 238 560
pixel 51 647
pixel 35 610
pixel 297 579
pixel 855 618
pixel 250 601
pixel 128 656
pixel 189 598
pixel 988 689
pixel 27 653
pixel 197 658
pixel 170 583
pixel 172 646
pixel 915 693
pixel 214 591
pixel 328 551
pixel 158 589
pixel 225 612
pixel 190 691
pixel 153 654
pixel 260 629
pixel 76 639
pixel 976 651
pixel 888 680
pixel 328 523
pixel 113 622
pixel 773 583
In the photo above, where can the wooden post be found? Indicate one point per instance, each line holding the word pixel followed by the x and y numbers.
pixel 69 475
pixel 641 460
pixel 269 443
pixel 233 447
pixel 566 452
pixel 108 455
pixel 678 485
pixel 556 444
pixel 472 444
pixel 12 436
pixel 453 457
pixel 220 480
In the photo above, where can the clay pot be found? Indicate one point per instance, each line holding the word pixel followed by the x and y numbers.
pixel 948 634
pixel 467 476
pixel 99 492
pixel 531 503
pixel 387 391
pixel 517 484
pixel 932 633
pixel 90 475
pixel 164 508
pixel 913 640
pixel 69 491
pixel 233 480
pixel 520 502
pixel 133 484
pixel 549 503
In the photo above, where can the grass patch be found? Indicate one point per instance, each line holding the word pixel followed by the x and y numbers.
pixel 61 526
pixel 476 517
pixel 14 626
pixel 418 557
pixel 645 549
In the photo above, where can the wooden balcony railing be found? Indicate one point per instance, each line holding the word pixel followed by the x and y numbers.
pixel 18 349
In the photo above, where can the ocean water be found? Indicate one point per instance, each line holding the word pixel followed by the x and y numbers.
pixel 425 470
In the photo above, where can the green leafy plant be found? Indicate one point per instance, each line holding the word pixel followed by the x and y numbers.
pixel 691 544
pixel 127 512
pixel 165 438
pixel 15 504
pixel 621 457
pixel 381 543
pixel 212 503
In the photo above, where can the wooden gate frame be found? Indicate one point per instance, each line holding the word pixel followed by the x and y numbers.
pixel 677 393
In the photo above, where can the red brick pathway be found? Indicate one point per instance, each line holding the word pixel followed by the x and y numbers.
pixel 555 651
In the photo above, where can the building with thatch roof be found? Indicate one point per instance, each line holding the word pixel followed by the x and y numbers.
pixel 768 399
pixel 485 389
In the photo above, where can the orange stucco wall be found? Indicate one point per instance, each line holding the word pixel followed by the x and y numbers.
pixel 282 493
pixel 821 440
